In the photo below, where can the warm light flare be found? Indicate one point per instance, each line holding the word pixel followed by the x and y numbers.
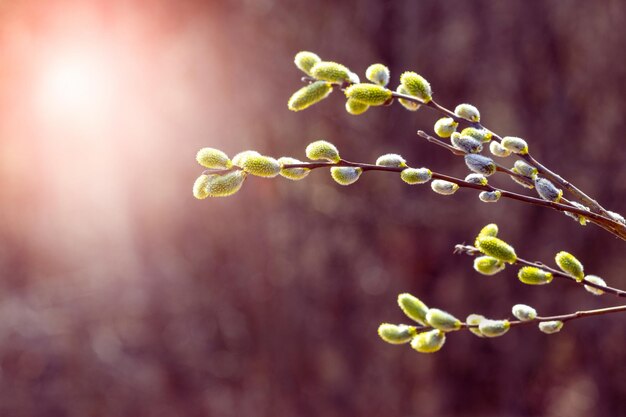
pixel 77 87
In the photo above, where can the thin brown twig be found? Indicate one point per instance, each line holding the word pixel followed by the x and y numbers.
pixel 473 251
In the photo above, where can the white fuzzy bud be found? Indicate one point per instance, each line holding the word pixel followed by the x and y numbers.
pixel 444 187
pixel 594 280
pixel 549 327
pixel 523 312
pixel 480 164
pixel 498 150
pixel 490 196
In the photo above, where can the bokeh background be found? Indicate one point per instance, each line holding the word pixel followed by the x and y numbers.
pixel 121 295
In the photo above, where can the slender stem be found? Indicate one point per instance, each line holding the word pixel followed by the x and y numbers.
pixel 600 220
pixel 540 319
pixel 473 251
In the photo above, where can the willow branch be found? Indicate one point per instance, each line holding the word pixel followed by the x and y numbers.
pixel 473 251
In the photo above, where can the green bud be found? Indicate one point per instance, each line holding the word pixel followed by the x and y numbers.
pixel 534 276
pixel 487 265
pixel 417 86
pixel 444 187
pixel 570 265
pixel 466 143
pixel 482 135
pixel 496 248
pixel 239 159
pixel 322 150
pixel 413 307
pixel 445 127
pixel 467 112
pixel 478 179
pixel 356 107
pixel 525 184
pixel 494 328
pixel 416 175
pixel 261 166
pixel 442 320
pixel 370 94
pixel 489 230
pixel 396 334
pixel 547 190
pixel 490 196
pixel 309 95
pixel 331 72
pixel 580 219
pixel 213 159
pixel 549 327
pixel 292 173
pixel 199 187
pixel 515 145
pixel 498 150
pixel 523 312
pixel 475 320
pixel 378 73
pixel 617 217
pixel 429 342
pixel 391 160
pixel 480 164
pixel 345 175
pixel 409 105
pixel 225 184
pixel 305 60
pixel 525 169
pixel 594 280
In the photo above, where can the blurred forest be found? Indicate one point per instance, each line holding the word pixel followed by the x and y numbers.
pixel 122 295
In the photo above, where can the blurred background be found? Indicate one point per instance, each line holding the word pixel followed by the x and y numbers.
pixel 122 295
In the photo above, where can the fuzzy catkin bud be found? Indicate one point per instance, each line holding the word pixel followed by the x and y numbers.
pixel 429 342
pixel 309 95
pixel 467 112
pixel 474 320
pixel 549 327
pixel 225 184
pixel 442 320
pixel 378 73
pixel 413 307
pixel 595 280
pixel 580 219
pixel 322 150
pixel 370 94
pixel 531 275
pixel 331 72
pixel 523 312
pixel 293 174
pixel 261 166
pixel 498 150
pixel 487 265
pixel 520 181
pixel 494 328
pixel 409 105
pixel 490 196
pixel 515 145
pixel 525 169
pixel 240 158
pixel 478 179
pixel 445 127
pixel 570 265
pixel 355 107
pixel 547 190
pixel 416 175
pixel 396 334
pixel 482 135
pixel 417 86
pixel 489 230
pixel 345 175
pixel 466 143
pixel 480 164
pixel 496 248
pixel 305 60
pixel 213 159
pixel 391 160
pixel 444 187
pixel 199 187
pixel 617 217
